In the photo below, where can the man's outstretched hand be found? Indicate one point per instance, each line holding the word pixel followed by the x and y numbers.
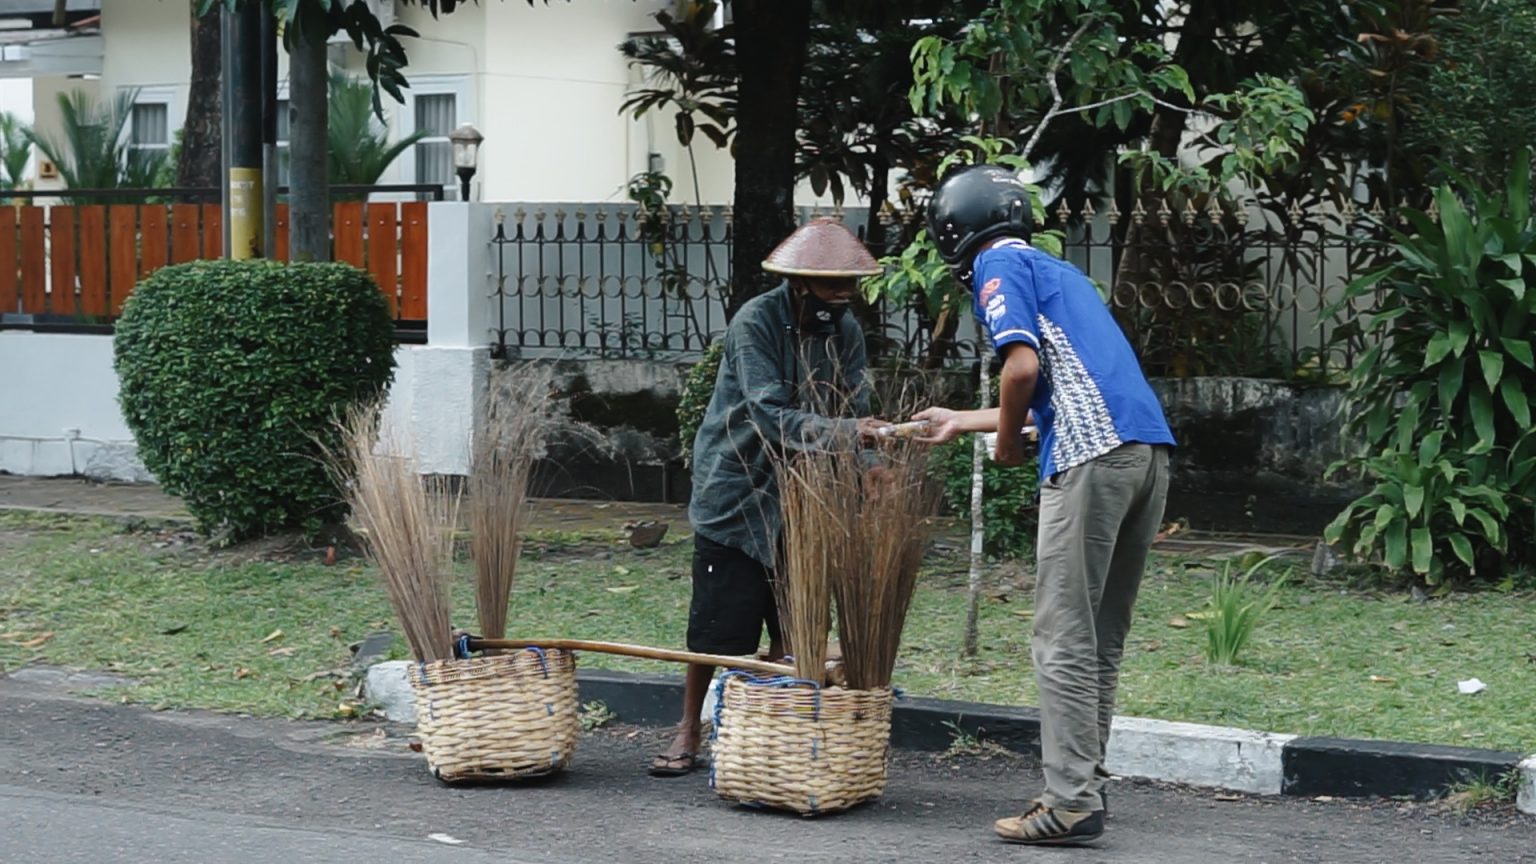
pixel 943 425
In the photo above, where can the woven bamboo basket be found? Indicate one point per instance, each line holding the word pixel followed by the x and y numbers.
pixel 789 745
pixel 498 717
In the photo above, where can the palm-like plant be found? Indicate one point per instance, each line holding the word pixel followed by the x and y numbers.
pixel 359 147
pixel 93 149
pixel 15 149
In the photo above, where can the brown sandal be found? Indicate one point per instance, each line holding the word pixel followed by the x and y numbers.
pixel 666 765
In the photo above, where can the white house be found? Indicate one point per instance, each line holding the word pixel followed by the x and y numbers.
pixel 542 83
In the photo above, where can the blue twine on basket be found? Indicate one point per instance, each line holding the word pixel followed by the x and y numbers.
pixel 543 661
pixel 461 647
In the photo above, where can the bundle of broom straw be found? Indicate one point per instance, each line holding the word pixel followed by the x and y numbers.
pixel 855 529
pixel 407 522
pixel 508 437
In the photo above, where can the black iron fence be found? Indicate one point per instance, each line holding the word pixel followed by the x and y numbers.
pixel 1201 287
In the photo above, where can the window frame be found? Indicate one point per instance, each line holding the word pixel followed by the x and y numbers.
pixel 161 94
pixel 457 86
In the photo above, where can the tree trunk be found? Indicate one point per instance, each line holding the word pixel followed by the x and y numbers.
pixel 309 200
pixel 770 53
pixel 199 161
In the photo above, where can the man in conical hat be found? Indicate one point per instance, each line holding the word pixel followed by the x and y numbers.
pixel 791 378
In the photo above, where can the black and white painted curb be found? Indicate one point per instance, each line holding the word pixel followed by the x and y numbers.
pixel 1238 760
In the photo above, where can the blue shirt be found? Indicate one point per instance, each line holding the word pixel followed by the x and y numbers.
pixel 1091 396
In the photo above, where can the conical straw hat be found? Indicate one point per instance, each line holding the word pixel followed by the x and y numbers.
pixel 822 247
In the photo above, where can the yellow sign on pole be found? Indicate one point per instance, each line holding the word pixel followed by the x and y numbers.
pixel 245 213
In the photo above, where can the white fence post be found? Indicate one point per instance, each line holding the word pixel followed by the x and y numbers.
pixel 439 386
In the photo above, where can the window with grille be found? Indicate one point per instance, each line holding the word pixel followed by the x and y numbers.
pixel 436 114
pixel 282 143
pixel 149 132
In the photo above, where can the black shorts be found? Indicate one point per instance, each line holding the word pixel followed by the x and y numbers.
pixel 732 601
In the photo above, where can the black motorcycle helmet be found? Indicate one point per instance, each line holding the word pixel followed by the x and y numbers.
pixel 973 205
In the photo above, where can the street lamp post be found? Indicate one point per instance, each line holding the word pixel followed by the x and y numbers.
pixel 466 150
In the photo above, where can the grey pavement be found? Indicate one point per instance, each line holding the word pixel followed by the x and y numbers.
pixel 86 781
pixel 65 828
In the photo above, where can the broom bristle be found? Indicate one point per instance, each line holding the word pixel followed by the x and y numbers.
pixel 408 522
pixel 855 542
pixel 512 430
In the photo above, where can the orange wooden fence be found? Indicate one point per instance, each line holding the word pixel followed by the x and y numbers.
pixel 82 262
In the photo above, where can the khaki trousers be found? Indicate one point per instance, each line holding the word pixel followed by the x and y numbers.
pixel 1097 523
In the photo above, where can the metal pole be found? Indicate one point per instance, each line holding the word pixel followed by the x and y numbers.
pixel 269 134
pixel 226 122
pixel 244 207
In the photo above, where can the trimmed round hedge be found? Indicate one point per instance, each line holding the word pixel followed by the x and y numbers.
pixel 232 375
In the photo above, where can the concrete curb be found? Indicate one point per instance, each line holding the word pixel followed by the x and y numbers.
pixel 1219 757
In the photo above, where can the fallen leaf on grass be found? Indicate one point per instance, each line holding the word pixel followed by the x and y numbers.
pixel 1178 621
pixel 1201 615
pixel 174 629
pixel 592 613
pixel 280 652
pixel 1400 626
pixel 242 673
pixel 446 839
pixel 37 641
pixel 1382 679
pixel 335 632
pixel 275 634
pixel 621 570
pixel 346 709
pixel 1024 613
pixel 999 594
pixel 622 589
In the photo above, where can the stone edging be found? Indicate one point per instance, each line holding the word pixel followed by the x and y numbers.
pixel 1259 763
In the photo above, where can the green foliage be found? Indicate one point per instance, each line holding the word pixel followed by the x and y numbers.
pixel 1235 608
pixel 692 70
pixel 357 142
pixel 15 150
pixel 1008 498
pixel 1441 402
pixel 383 52
pixel 1472 107
pixel 917 275
pixel 93 152
pixel 698 389
pixel 232 375
pixel 1265 123
pixel 1009 495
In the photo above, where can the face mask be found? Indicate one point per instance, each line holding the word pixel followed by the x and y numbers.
pixel 823 312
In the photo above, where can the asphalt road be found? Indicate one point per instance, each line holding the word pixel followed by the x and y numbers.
pixel 84 781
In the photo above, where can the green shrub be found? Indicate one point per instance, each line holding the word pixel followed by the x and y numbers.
pixel 1008 501
pixel 232 374
pixel 697 390
pixel 1441 402
pixel 1009 496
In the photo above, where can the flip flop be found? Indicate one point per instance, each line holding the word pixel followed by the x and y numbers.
pixel 665 765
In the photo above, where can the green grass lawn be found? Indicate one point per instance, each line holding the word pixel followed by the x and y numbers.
pixel 192 626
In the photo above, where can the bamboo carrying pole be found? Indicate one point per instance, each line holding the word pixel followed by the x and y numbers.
pixel 643 652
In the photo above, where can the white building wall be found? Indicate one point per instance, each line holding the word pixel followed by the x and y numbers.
pixel 542 83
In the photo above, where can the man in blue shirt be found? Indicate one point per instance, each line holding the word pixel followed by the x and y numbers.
pixel 1104 446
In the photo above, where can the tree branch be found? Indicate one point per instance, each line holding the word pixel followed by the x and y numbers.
pixel 1050 78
